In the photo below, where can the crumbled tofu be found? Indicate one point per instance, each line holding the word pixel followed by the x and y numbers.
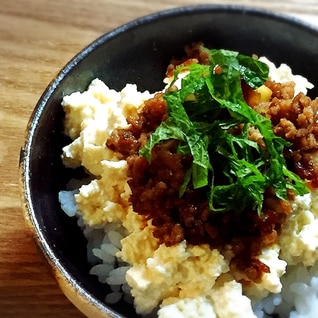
pixel 140 244
pixel 105 199
pixel 228 298
pixel 90 118
pixel 283 74
pixel 188 308
pixel 299 237
pixel 271 281
pixel 181 271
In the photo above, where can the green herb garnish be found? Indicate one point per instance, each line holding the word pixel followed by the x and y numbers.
pixel 204 116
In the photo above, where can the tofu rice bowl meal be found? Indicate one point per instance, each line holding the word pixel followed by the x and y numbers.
pixel 200 200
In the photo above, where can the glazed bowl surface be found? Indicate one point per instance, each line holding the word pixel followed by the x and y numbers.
pixel 137 52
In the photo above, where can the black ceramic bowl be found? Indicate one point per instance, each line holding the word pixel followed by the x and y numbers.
pixel 137 52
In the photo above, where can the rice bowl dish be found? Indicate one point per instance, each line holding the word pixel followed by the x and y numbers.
pixel 168 277
pixel 59 237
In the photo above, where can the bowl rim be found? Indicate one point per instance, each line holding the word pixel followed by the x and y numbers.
pixel 147 19
pixel 72 289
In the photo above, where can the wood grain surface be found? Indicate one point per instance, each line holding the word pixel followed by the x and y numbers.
pixel 37 38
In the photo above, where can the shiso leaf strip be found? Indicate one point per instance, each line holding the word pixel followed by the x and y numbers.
pixel 204 116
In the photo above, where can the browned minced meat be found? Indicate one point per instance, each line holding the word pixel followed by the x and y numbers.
pixel 155 185
pixel 194 55
pixel 295 119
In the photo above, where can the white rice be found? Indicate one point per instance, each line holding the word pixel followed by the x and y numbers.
pixel 103 245
pixel 298 298
pixel 68 203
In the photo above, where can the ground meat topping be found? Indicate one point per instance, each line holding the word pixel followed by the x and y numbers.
pixel 295 119
pixel 155 185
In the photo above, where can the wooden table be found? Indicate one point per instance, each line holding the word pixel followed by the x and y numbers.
pixel 36 39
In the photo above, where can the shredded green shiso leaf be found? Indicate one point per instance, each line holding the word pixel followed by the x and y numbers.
pixel 202 116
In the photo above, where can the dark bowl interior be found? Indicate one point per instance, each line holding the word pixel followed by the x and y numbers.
pixel 138 53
